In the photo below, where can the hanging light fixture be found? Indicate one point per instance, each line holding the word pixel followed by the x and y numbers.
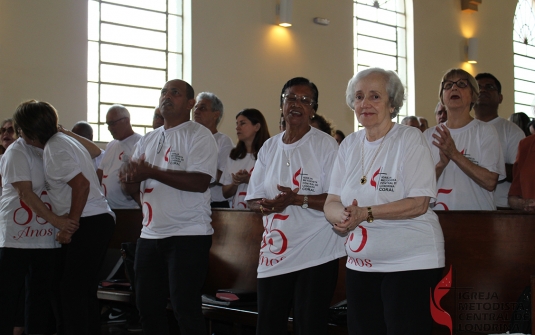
pixel 284 11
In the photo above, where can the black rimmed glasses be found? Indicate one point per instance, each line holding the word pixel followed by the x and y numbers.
pixel 113 123
pixel 488 87
pixel 301 99
pixel 9 130
pixel 448 84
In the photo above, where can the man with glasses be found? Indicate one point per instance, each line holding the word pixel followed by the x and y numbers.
pixel 169 175
pixel 486 110
pixel 208 111
pixel 118 152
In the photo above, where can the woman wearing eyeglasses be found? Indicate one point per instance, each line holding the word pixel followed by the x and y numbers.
pixel 467 152
pixel 7 133
pixel 76 196
pixel 298 263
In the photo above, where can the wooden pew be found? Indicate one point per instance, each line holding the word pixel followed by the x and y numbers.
pixel 492 255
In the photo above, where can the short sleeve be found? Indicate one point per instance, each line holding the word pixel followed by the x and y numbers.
pixel 15 167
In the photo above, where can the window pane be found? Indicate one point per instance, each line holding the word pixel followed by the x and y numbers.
pixel 142 116
pixel 92 61
pixel 524 86
pixel 142 130
pixel 376 45
pixel 175 7
pixel 524 109
pixel 372 59
pixel 175 33
pixel 133 56
pixel 525 62
pixel 92 102
pixel 524 98
pixel 105 135
pixel 133 36
pixel 376 29
pixel 524 74
pixel 132 75
pixel 401 20
pixel 364 11
pixel 386 17
pixel 158 5
pixel 92 20
pixel 129 95
pixel 133 17
pixel 175 66
pixel 520 48
pixel 402 45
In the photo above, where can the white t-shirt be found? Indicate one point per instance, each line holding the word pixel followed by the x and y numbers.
pixel 111 163
pixel 98 159
pixel 64 158
pixel 403 168
pixel 19 226
pixel 478 142
pixel 297 238
pixel 510 135
pixel 224 145
pixel 233 166
pixel 168 211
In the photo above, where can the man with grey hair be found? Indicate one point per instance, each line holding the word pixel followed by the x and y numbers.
pixel 411 121
pixel 117 153
pixel 84 129
pixel 441 115
pixel 208 111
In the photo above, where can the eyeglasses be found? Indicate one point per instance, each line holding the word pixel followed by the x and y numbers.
pixel 9 130
pixel 448 84
pixel 301 99
pixel 488 87
pixel 113 123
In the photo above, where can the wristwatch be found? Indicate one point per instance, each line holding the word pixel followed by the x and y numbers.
pixel 369 219
pixel 305 202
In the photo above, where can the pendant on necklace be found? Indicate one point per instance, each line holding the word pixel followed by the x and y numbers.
pixel 363 180
pixel 288 163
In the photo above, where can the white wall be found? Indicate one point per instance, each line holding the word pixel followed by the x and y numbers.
pixel 239 54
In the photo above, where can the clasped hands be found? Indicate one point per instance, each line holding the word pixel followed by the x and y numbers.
pixel 350 218
pixel 283 199
pixel 240 177
pixel 67 227
pixel 134 171
pixel 444 142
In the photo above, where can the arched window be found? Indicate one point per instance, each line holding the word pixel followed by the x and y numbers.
pixel 524 56
pixel 380 38
pixel 134 47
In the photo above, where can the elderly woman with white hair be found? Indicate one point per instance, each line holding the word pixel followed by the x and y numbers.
pixel 467 154
pixel 381 184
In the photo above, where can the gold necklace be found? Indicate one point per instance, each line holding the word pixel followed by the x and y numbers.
pixel 363 180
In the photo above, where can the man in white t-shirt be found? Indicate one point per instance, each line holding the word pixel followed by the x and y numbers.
pixel 486 110
pixel 84 129
pixel 117 153
pixel 169 174
pixel 208 111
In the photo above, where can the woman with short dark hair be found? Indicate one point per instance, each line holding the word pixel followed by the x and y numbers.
pixel 75 193
pixel 298 262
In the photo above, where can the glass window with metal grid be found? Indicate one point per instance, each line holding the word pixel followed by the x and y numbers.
pixel 524 56
pixel 379 31
pixel 134 47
